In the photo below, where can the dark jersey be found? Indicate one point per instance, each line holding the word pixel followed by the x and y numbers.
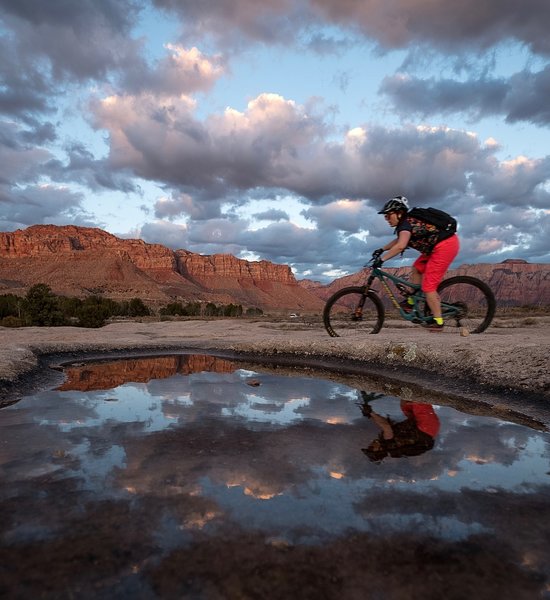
pixel 424 236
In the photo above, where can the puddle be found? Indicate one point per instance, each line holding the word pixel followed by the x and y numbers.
pixel 134 471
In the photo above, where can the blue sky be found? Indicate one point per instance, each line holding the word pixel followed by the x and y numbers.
pixel 275 130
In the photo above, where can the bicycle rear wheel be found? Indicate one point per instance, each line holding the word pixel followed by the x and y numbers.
pixel 467 303
pixel 352 312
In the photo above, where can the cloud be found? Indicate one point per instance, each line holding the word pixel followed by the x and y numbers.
pixel 42 204
pixel 183 71
pixel 518 182
pixel 168 234
pixel 442 24
pixel 237 22
pixel 392 24
pixel 272 215
pixel 275 143
pixel 521 97
pixel 47 44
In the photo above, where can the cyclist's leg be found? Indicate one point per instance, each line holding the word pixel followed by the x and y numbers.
pixel 418 268
pixel 436 266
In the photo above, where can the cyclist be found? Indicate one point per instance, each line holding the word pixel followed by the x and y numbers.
pixel 430 267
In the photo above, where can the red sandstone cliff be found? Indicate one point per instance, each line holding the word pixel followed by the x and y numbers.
pixel 80 261
pixel 106 376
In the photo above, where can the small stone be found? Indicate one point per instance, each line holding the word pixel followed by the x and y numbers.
pixel 464 332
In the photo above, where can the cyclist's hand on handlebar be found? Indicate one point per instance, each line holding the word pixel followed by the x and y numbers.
pixel 377 253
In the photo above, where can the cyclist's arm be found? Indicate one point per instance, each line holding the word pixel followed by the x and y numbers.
pixel 396 246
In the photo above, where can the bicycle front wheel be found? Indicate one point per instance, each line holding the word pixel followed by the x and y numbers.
pixel 352 312
pixel 467 303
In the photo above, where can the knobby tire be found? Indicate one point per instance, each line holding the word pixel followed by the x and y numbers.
pixel 475 300
pixel 339 315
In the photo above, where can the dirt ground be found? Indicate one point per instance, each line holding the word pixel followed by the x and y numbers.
pixel 508 365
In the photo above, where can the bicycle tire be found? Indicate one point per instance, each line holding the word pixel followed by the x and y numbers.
pixel 339 316
pixel 475 300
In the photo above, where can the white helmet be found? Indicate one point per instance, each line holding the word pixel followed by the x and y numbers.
pixel 397 203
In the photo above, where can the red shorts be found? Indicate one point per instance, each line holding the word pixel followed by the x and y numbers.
pixel 434 266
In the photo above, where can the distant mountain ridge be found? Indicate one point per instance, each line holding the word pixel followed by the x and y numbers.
pixel 80 261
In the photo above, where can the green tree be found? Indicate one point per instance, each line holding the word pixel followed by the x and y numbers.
pixel 41 307
pixel 210 310
pixel 10 306
pixel 93 312
pixel 173 309
pixel 192 309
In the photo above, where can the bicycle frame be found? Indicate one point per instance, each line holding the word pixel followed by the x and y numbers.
pixel 407 288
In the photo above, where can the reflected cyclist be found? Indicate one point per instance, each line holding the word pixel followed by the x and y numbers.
pixel 410 437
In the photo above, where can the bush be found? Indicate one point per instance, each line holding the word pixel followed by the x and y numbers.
pixel 10 306
pixel 173 309
pixel 92 313
pixel 41 307
pixel 11 321
pixel 136 308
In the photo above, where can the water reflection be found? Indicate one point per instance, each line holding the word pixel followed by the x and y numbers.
pixel 409 437
pixel 200 445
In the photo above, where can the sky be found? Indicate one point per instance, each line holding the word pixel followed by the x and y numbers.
pixel 276 130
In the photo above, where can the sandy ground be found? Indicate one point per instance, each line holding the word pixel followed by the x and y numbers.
pixel 506 365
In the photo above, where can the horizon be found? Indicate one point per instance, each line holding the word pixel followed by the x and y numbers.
pixel 275 131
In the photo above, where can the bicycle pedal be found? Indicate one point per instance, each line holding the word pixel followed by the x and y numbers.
pixel 417 321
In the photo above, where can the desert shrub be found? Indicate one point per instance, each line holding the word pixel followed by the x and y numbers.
pixel 136 308
pixel 11 321
pixel 254 312
pixel 528 321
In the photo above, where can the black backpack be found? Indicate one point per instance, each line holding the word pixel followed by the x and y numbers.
pixel 439 218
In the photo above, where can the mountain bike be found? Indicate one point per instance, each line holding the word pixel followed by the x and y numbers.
pixel 467 303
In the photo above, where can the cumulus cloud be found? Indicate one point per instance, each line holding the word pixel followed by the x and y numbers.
pixel 275 143
pixel 182 71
